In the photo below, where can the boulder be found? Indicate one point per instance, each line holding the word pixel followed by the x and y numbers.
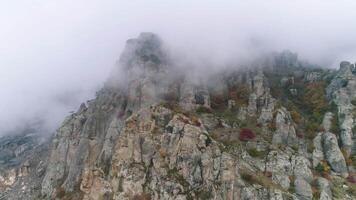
pixel 333 154
pixel 324 188
pixel 285 132
pixel 303 189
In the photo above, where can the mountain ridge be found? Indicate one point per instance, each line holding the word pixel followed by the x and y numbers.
pixel 277 130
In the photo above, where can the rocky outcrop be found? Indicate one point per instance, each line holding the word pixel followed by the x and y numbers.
pixel 21 158
pixel 260 100
pixel 313 76
pixel 285 133
pixel 303 189
pixel 325 188
pixel 183 159
pixel 333 154
pixel 157 133
pixel 326 148
pixel 342 91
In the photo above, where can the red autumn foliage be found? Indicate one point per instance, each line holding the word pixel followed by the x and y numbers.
pixel 300 135
pixel 218 101
pixel 351 179
pixel 246 135
pixel 232 93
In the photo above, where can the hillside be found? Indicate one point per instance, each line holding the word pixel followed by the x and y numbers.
pixel 277 129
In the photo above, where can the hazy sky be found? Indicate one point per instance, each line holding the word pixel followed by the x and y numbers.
pixel 55 53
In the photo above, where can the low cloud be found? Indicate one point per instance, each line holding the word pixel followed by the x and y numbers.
pixel 56 54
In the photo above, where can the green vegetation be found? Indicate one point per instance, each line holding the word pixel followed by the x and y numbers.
pixel 338 189
pixel 204 194
pixel 335 126
pixel 258 178
pixel 142 196
pixel 229 117
pixel 227 136
pixel 310 146
pixel 175 175
pixel 240 94
pixel 322 167
pixel 203 109
pixel 249 178
pixel 291 188
pixel 353 101
pixel 256 154
pixel 307 108
pixel 353 159
pixel 218 101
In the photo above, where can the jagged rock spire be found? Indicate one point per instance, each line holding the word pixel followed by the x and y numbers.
pixel 144 49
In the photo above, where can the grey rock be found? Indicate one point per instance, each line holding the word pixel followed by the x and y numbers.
pixel 303 189
pixel 285 132
pixel 324 188
pixel 333 154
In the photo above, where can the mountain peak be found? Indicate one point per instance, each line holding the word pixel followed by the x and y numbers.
pixel 147 47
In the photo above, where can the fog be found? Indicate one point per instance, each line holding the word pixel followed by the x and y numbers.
pixel 55 54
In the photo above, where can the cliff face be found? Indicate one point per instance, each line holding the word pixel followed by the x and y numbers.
pixel 277 132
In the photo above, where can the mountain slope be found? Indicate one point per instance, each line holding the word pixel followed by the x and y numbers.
pixel 277 130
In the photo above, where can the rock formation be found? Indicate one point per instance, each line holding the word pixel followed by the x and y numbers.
pixel 156 133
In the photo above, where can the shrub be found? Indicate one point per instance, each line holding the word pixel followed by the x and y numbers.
pixel 353 159
pixel 254 153
pixel 345 154
pixel 247 135
pixel 60 192
pixel 319 168
pixel 315 97
pixel 195 121
pixel 297 118
pixel 142 197
pixel 310 146
pixel 228 117
pixel 268 174
pixel 227 136
pixel 316 192
pixel 322 167
pixel 218 101
pixel 291 189
pixel 170 97
pixel 353 101
pixel 163 152
pixel 351 179
pixel 272 126
pixel 242 94
pixel 203 109
pixel 311 129
pixel 248 178
pixel 291 179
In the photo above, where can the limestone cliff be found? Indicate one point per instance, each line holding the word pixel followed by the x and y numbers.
pixel 268 132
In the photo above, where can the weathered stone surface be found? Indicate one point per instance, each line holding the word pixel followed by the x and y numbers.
pixel 303 189
pixel 142 137
pixel 342 91
pixel 313 76
pixel 333 154
pixel 279 164
pixel 324 188
pixel 301 168
pixel 285 133
pixel 318 153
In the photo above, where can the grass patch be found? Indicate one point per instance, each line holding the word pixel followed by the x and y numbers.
pixel 258 178
pixel 256 154
pixel 203 109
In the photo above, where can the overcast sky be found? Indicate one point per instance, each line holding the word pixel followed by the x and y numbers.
pixel 54 54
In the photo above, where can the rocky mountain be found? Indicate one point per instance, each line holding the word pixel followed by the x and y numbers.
pixel 279 129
